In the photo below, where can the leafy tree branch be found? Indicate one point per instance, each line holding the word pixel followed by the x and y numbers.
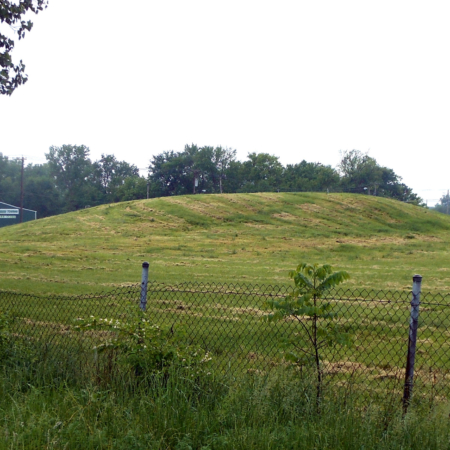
pixel 13 75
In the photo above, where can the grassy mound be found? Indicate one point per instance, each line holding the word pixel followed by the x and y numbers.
pixel 247 238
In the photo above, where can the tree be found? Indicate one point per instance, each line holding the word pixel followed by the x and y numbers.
pixel 74 176
pixel 40 191
pixel 360 172
pixel 222 158
pixel 111 175
pixel 194 170
pixel 11 75
pixel 41 194
pixel 233 177
pixel 168 174
pixel 312 282
pixel 133 188
pixel 200 166
pixel 261 172
pixel 10 180
pixel 444 204
pixel 307 176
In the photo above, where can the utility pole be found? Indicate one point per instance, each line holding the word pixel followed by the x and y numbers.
pixel 21 191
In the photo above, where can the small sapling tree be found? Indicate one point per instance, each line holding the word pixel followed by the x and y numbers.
pixel 316 316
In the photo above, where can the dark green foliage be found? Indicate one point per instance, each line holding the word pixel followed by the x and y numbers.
pixel 175 173
pixel 73 172
pixel 13 75
pixel 70 181
pixel 110 175
pixel 10 180
pixel 308 176
pixel 362 174
pixel 132 187
pixel 216 170
pixel 261 173
pixel 40 192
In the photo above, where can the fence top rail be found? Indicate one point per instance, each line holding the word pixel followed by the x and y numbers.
pixel 247 289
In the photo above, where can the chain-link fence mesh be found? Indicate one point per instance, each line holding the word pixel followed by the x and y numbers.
pixel 228 320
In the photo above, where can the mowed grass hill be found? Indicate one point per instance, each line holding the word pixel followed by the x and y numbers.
pixel 235 238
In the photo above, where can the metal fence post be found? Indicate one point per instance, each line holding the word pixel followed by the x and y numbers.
pixel 144 284
pixel 413 325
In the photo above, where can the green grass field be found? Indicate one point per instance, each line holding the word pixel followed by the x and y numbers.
pixel 54 394
pixel 245 238
pixel 248 239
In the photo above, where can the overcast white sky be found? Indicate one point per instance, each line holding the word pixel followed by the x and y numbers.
pixel 297 79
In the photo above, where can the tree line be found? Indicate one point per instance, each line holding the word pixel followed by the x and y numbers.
pixel 69 180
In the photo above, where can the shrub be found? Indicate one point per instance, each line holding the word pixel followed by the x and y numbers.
pixel 144 347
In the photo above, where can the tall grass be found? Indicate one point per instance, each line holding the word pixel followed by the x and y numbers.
pixel 55 405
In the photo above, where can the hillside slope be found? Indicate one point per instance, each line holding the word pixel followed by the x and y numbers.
pixel 251 238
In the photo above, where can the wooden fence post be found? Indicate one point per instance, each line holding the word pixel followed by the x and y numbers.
pixel 144 284
pixel 413 325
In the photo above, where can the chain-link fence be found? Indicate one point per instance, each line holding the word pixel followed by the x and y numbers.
pixel 228 320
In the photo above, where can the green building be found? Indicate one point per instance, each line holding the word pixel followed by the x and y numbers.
pixel 10 215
